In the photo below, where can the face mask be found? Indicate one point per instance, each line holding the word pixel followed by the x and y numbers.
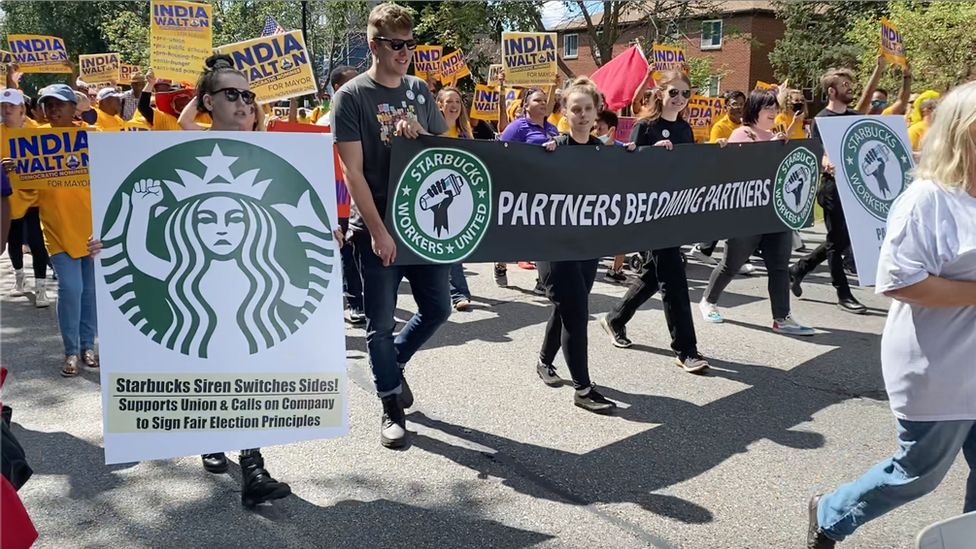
pixel 606 139
pixel 879 103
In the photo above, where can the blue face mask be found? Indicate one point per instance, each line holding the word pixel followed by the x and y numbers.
pixel 879 103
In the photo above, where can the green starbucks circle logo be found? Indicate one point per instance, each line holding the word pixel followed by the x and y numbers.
pixel 215 245
pixel 795 188
pixel 442 206
pixel 877 165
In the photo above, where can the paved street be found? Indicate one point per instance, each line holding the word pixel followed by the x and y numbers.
pixel 725 460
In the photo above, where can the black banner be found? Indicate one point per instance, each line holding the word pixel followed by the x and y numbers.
pixel 478 201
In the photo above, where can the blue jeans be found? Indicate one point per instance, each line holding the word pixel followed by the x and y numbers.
pixel 352 283
pixel 429 285
pixel 459 284
pixel 926 451
pixel 76 302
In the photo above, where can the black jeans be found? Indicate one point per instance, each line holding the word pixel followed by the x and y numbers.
pixel 776 249
pixel 568 285
pixel 28 229
pixel 836 242
pixel 666 273
pixel 352 282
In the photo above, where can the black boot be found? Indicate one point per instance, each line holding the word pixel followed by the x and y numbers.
pixel 257 485
pixel 215 463
pixel 393 426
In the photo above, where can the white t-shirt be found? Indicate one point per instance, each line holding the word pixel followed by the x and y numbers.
pixel 928 355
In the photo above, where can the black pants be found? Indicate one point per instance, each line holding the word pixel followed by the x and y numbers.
pixel 568 285
pixel 834 245
pixel 667 274
pixel 352 282
pixel 28 229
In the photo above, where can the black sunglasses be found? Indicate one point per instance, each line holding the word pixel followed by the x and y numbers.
pixel 233 94
pixel 397 44
pixel 684 93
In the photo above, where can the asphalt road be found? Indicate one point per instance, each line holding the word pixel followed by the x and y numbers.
pixel 725 460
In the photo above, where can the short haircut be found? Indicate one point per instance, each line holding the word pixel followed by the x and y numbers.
pixel 732 95
pixel 608 117
pixel 338 75
pixel 757 101
pixel 388 18
pixel 881 90
pixel 928 104
pixel 833 76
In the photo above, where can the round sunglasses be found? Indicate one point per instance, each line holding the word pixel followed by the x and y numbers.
pixel 684 93
pixel 397 44
pixel 233 94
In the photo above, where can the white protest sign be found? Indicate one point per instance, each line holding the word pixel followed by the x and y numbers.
pixel 218 292
pixel 873 161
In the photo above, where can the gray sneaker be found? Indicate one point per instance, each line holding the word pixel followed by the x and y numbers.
pixel 692 364
pixel 393 426
pixel 547 372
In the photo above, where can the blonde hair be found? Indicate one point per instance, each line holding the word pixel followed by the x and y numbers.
pixel 949 146
pixel 388 18
pixel 462 123
pixel 585 86
pixel 656 106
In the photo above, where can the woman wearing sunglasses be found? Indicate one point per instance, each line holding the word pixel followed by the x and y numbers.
pixel 662 126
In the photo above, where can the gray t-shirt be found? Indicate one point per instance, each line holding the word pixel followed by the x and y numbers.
pixel 367 112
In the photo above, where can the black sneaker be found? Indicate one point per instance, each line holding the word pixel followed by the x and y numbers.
pixel 215 463
pixel 617 337
pixel 547 372
pixel 616 276
pixel 795 280
pixel 501 275
pixel 851 305
pixel 816 539
pixel 357 316
pixel 593 401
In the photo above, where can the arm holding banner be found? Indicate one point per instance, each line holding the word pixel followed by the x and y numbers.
pixel 864 103
pixel 901 104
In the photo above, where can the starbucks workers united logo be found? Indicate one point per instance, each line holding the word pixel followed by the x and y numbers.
pixel 795 187
pixel 442 206
pixel 217 245
pixel 877 165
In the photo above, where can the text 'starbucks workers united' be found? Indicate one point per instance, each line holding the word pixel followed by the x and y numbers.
pixel 203 253
pixel 877 165
pixel 795 188
pixel 442 206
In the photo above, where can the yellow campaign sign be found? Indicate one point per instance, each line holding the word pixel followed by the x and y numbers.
pixel 529 58
pixel 427 60
pixel 494 70
pixel 39 54
pixel 276 66
pixel 181 39
pixel 99 68
pixel 703 112
pixel 485 104
pixel 453 67
pixel 892 46
pixel 668 58
pixel 126 71
pixel 760 85
pixel 47 158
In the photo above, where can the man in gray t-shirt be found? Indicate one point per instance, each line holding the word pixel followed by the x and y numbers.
pixel 368 111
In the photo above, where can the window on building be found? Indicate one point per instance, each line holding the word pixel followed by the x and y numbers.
pixel 711 35
pixel 714 86
pixel 570 46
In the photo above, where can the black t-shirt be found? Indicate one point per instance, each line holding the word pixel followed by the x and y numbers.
pixel 815 130
pixel 648 132
pixel 565 139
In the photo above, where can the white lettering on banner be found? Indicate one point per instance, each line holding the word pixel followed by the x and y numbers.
pixel 608 210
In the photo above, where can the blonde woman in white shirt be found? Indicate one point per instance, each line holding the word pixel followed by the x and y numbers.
pixel 928 267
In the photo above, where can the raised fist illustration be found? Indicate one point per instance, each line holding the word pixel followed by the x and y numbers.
pixel 146 193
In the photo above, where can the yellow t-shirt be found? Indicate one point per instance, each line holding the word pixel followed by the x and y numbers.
pixel 890 109
pixel 916 132
pixel 563 125
pixel 722 129
pixel 783 121
pixel 31 123
pixel 66 216
pixel 163 121
pixel 452 131
pixel 556 118
pixel 21 199
pixel 107 122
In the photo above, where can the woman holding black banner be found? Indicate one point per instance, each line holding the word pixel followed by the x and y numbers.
pixel 662 126
pixel 759 121
pixel 451 105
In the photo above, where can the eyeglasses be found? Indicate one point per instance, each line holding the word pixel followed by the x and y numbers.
pixel 233 94
pixel 684 93
pixel 397 44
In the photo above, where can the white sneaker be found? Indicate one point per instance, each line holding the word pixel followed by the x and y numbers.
pixel 747 269
pixel 698 254
pixel 19 288
pixel 709 312
pixel 789 326
pixel 40 294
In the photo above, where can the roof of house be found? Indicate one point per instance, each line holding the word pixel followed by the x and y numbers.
pixel 635 12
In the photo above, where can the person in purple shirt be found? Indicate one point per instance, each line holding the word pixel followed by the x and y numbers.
pixel 4 205
pixel 533 128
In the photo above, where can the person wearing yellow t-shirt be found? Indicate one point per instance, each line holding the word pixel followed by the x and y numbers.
pixel 66 215
pixel 792 112
pixel 918 130
pixel 109 110
pixel 24 214
pixel 166 116
pixel 735 101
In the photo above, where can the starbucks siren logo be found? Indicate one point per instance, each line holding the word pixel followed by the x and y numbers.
pixel 795 188
pixel 217 246
pixel 877 165
pixel 442 206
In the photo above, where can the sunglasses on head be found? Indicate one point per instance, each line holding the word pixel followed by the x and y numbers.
pixel 233 94
pixel 684 93
pixel 397 44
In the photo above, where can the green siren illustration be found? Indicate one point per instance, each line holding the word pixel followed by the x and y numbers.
pixel 217 244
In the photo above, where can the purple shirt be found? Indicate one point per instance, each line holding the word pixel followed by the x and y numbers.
pixel 5 189
pixel 524 130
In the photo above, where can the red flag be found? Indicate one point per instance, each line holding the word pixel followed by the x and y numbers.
pixel 619 78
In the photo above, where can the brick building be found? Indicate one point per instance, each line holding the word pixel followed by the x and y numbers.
pixel 737 35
